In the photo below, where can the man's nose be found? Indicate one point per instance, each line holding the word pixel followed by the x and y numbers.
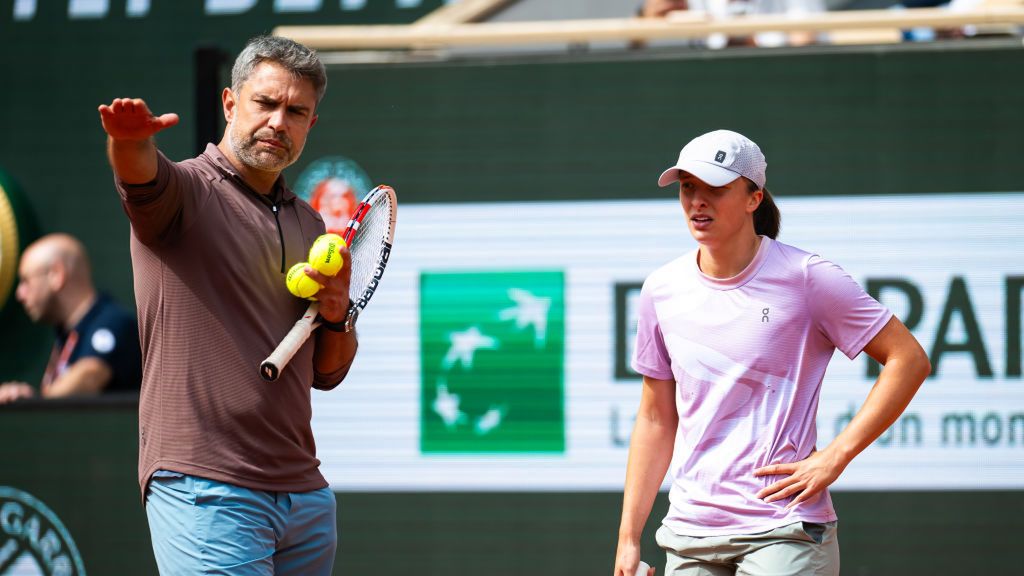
pixel 276 120
pixel 21 292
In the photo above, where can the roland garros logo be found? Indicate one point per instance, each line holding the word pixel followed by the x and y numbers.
pixel 32 539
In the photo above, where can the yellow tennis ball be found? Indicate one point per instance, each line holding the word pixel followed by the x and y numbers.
pixel 324 256
pixel 299 284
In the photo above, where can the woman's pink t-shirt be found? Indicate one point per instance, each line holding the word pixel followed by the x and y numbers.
pixel 748 355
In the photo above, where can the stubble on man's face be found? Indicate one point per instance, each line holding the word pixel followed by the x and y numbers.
pixel 248 148
pixel 39 303
pixel 272 114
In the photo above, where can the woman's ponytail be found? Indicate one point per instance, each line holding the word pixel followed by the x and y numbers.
pixel 767 218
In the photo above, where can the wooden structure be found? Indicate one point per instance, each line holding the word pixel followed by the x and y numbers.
pixel 457 24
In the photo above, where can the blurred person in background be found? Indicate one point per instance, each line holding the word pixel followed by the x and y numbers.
pixel 97 341
pixel 661 8
pixel 725 9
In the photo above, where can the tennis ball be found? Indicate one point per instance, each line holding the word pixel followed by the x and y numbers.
pixel 324 256
pixel 299 284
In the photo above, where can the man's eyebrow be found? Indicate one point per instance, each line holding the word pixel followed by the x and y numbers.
pixel 271 100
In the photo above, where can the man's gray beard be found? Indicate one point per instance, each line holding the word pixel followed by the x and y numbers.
pixel 243 149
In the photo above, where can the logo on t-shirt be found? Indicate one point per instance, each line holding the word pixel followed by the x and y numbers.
pixel 32 539
pixel 493 360
pixel 103 341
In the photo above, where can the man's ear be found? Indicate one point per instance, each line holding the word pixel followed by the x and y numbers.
pixel 227 99
pixel 313 122
pixel 57 276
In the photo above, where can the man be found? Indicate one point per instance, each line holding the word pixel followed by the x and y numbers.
pixel 227 462
pixel 97 342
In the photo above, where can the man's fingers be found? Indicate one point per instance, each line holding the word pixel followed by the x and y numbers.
pixel 128 106
pixel 167 120
pixel 130 118
pixel 316 276
pixel 116 107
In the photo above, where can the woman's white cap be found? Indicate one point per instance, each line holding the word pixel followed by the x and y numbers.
pixel 718 158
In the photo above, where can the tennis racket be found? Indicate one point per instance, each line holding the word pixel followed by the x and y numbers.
pixel 369 235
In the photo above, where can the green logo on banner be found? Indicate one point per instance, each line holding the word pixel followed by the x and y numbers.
pixel 493 354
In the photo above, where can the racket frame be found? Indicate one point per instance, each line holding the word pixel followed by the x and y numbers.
pixel 270 369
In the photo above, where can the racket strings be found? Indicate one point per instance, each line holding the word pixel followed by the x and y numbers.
pixel 365 250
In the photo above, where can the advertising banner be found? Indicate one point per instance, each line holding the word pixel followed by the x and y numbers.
pixel 495 354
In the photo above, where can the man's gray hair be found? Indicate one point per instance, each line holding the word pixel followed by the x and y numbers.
pixel 290 55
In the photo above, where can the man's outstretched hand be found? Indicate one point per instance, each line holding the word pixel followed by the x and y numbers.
pixel 130 127
pixel 130 119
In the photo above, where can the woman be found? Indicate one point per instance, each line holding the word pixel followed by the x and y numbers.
pixel 732 341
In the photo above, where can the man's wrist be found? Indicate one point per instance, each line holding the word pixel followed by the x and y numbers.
pixel 347 323
pixel 335 326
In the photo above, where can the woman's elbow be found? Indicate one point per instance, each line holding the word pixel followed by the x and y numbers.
pixel 920 364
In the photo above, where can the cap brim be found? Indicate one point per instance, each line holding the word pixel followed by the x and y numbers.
pixel 708 173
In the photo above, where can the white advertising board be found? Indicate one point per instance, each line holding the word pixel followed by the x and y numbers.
pixel 493 355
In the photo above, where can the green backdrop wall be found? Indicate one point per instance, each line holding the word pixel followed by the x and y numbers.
pixel 926 119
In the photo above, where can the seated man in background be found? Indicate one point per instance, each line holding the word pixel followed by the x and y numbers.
pixel 97 345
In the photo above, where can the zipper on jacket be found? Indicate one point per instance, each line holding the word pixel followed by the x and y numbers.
pixel 280 234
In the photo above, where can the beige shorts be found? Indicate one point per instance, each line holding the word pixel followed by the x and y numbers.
pixel 798 549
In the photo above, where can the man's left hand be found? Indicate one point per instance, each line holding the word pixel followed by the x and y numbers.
pixel 333 294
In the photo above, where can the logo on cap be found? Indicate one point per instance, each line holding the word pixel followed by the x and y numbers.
pixel 720 157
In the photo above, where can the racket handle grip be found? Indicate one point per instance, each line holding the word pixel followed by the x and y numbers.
pixel 270 369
